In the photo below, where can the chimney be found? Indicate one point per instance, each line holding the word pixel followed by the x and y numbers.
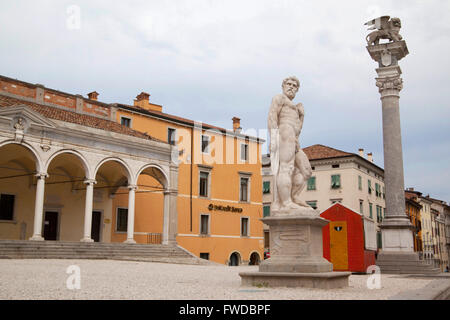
pixel 370 157
pixel 237 125
pixel 143 101
pixel 93 95
pixel 361 153
pixel 410 189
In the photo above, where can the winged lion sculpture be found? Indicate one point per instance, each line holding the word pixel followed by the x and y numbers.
pixel 387 28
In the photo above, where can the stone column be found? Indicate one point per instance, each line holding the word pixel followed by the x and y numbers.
pixel 172 196
pixel 397 254
pixel 130 225
pixel 88 210
pixel 39 207
pixel 396 228
pixel 166 213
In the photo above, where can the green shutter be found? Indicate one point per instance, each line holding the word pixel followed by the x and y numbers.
pixel 379 241
pixel 335 181
pixel 312 204
pixel 370 210
pixel 266 187
pixel 266 211
pixel 312 183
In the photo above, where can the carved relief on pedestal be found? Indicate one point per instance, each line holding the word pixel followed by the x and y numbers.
pixel 290 241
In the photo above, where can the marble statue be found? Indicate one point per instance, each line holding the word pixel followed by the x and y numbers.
pixel 387 29
pixel 290 165
pixel 19 125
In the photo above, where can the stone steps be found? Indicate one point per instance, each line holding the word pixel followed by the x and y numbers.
pixel 10 249
pixel 407 267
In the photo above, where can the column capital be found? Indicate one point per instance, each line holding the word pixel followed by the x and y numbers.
pixel 132 187
pixel 389 85
pixel 90 181
pixel 41 175
pixel 170 192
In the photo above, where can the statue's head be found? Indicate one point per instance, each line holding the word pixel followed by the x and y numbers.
pixel 290 87
pixel 396 22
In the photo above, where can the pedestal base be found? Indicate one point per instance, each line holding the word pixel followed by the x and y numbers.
pixel 399 262
pixel 322 280
pixel 36 238
pixel 296 254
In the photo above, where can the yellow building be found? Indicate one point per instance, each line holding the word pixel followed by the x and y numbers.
pixel 76 169
pixel 219 199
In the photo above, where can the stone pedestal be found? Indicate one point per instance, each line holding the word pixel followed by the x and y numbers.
pixel 296 250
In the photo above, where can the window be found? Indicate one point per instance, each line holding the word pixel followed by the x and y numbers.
pixel 204 255
pixel 359 182
pixel 370 211
pixel 171 136
pixel 379 240
pixel 333 201
pixel 204 224
pixel 311 184
pixel 204 183
pixel 266 187
pixel 244 152
pixel 244 227
pixel 244 190
pixel 369 186
pixel 379 217
pixel 205 144
pixel 312 204
pixel 336 181
pixel 335 166
pixel 125 121
pixel 361 206
pixel 377 190
pixel 7 207
pixel 384 193
pixel 266 211
pixel 122 220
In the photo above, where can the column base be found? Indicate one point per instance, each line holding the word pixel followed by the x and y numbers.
pixel 400 262
pixel 87 240
pixel 323 280
pixel 130 241
pixel 37 238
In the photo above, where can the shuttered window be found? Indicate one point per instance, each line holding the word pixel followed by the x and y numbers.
pixel 311 183
pixel 336 181
pixel 266 187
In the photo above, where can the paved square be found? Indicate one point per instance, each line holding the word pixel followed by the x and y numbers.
pixel 104 279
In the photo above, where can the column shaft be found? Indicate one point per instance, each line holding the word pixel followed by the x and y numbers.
pixel 393 157
pixel 130 225
pixel 39 208
pixel 88 211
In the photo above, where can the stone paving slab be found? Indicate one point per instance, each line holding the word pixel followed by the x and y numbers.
pixel 127 280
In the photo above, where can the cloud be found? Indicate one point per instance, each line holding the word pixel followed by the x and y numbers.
pixel 228 58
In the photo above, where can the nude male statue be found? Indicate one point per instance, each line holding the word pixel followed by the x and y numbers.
pixel 290 165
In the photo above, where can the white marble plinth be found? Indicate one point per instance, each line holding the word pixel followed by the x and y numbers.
pixel 296 255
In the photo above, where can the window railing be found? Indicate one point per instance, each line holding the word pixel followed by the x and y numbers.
pixel 154 238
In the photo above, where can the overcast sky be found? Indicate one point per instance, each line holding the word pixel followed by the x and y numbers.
pixel 211 60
